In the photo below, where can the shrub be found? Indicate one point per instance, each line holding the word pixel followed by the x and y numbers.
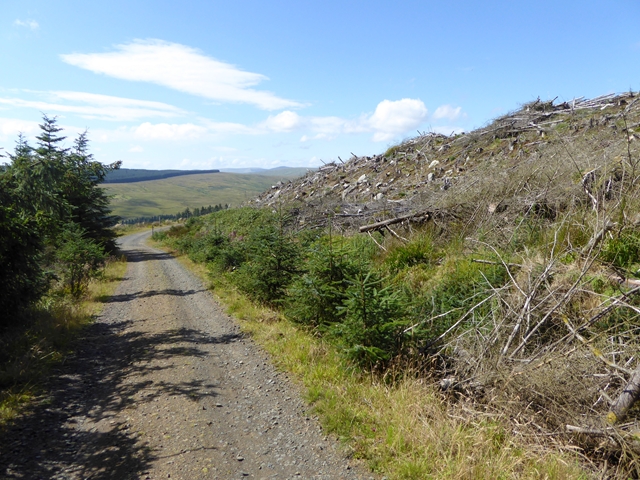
pixel 207 247
pixel 273 259
pixel 21 275
pixel 374 315
pixel 315 296
pixel 220 251
pixel 79 258
pixel 622 251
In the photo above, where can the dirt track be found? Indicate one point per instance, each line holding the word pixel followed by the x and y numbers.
pixel 164 385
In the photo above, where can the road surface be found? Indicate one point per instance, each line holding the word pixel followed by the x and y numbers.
pixel 164 385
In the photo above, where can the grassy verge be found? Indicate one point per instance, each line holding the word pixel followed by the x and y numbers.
pixel 44 336
pixel 405 428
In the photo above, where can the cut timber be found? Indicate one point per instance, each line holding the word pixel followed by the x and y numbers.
pixel 626 400
pixel 391 221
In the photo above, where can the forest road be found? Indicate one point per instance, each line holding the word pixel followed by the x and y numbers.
pixel 164 385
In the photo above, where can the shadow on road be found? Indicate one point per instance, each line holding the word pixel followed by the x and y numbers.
pixel 134 256
pixel 49 441
pixel 151 293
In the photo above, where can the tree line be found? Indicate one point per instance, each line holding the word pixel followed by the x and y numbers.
pixel 55 220
pixel 131 175
pixel 186 213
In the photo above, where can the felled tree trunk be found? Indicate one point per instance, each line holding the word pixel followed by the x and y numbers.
pixel 385 223
pixel 629 396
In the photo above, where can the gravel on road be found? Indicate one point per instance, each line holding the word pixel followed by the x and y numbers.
pixel 164 385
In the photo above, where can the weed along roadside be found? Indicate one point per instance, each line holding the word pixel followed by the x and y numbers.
pixel 460 306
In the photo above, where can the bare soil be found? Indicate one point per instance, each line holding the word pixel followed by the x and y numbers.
pixel 164 385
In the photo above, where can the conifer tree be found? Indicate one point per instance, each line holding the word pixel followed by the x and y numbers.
pixel 45 192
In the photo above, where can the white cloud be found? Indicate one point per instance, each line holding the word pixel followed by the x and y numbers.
pixel 448 112
pixel 167 131
pixel 11 127
pixel 32 24
pixel 284 122
pixel 394 118
pixel 95 106
pixel 230 128
pixel 182 68
pixel 136 149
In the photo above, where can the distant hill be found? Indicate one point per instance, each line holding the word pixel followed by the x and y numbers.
pixel 166 196
pixel 285 172
pixel 128 175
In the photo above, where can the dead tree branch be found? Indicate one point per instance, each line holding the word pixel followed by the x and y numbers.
pixel 629 396
pixel 392 221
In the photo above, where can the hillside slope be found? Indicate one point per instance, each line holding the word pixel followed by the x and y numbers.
pixel 518 248
pixel 534 158
pixel 501 267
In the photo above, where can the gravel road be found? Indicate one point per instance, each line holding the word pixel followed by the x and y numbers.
pixel 164 385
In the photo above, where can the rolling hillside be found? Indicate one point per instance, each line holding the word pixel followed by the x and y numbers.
pixel 129 175
pixel 172 195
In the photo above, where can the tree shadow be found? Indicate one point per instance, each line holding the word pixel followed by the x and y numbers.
pixel 134 256
pixel 151 293
pixel 49 440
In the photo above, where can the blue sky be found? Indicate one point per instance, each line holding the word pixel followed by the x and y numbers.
pixel 213 84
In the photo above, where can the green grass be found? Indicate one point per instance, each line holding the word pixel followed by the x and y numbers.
pixel 173 195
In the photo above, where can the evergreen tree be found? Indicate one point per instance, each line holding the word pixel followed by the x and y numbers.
pixel 48 141
pixel 44 192
pixel 89 204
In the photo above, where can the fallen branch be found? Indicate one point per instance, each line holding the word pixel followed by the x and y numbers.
pixel 395 234
pixel 596 432
pixel 385 223
pixel 629 396
pixel 627 282
pixel 490 262
pixel 376 242
pixel 588 179
pixel 613 435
